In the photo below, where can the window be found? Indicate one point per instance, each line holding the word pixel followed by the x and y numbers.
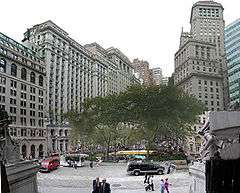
pixel 23 74
pixel 23 95
pixel 2 80
pixel 2 65
pixel 14 70
pixel 23 111
pixel 40 79
pixel 32 90
pixel 40 92
pixel 32 122
pixel 32 98
pixel 23 87
pixel 13 101
pixel 13 84
pixel 13 110
pixel 2 99
pixel 13 92
pixel 23 121
pixel 23 104
pixel 32 77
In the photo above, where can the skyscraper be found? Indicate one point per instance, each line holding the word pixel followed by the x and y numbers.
pixel 200 65
pixel 232 46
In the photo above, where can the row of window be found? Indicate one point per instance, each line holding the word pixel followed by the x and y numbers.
pixel 23 72
pixel 23 132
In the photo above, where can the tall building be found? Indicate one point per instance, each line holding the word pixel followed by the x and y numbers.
pixel 142 68
pixel 75 73
pixel 165 81
pixel 157 76
pixel 200 66
pixel 232 47
pixel 199 62
pixel 22 95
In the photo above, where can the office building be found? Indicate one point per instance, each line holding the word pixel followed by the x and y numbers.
pixel 200 66
pixel 75 73
pixel 232 47
pixel 22 95
pixel 157 76
pixel 142 68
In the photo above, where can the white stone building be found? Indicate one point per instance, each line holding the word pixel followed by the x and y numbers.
pixel 75 73
pixel 22 95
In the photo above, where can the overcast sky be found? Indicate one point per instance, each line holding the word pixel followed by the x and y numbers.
pixel 144 29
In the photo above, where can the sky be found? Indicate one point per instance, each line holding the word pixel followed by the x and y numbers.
pixel 144 29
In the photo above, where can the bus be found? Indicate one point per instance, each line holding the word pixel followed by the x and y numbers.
pixel 69 160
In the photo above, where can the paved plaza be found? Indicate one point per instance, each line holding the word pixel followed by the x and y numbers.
pixel 70 180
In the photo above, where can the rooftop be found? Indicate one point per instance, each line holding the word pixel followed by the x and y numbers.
pixel 18 45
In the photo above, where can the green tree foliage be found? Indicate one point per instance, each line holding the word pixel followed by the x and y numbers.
pixel 149 110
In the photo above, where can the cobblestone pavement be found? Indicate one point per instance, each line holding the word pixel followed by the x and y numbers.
pixel 70 180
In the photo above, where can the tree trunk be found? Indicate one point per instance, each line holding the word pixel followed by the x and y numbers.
pixel 108 147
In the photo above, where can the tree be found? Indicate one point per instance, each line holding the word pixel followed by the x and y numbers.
pixel 150 110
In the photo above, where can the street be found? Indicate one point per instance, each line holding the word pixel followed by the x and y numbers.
pixel 70 180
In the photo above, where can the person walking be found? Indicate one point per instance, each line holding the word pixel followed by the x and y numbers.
pixel 91 164
pixel 105 187
pixel 166 185
pixel 151 183
pixel 96 185
pixel 162 186
pixel 145 178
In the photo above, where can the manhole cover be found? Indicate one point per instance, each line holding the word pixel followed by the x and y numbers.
pixel 116 185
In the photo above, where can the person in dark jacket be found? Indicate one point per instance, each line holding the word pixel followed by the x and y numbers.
pixel 96 185
pixel 105 187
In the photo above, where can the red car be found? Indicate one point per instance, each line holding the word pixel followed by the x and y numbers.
pixel 48 165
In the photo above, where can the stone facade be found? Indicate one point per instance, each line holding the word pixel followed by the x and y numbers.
pixel 22 95
pixel 75 73
pixel 200 65
pixel 142 68
pixel 157 76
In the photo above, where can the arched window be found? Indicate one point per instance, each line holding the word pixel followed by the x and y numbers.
pixel 32 77
pixel 60 132
pixel 14 70
pixel 40 79
pixel 2 65
pixel 24 151
pixel 24 74
pixel 40 151
pixel 66 133
pixel 33 151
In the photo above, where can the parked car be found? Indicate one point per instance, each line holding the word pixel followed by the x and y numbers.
pixel 136 168
pixel 48 165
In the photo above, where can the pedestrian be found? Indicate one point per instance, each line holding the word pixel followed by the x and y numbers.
pixel 91 164
pixel 75 164
pixel 151 183
pixel 96 185
pixel 105 187
pixel 166 185
pixel 145 179
pixel 162 186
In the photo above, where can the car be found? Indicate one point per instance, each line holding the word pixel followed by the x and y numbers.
pixel 137 169
pixel 48 165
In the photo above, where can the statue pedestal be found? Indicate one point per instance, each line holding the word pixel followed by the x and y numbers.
pixel 22 177
pixel 198 180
